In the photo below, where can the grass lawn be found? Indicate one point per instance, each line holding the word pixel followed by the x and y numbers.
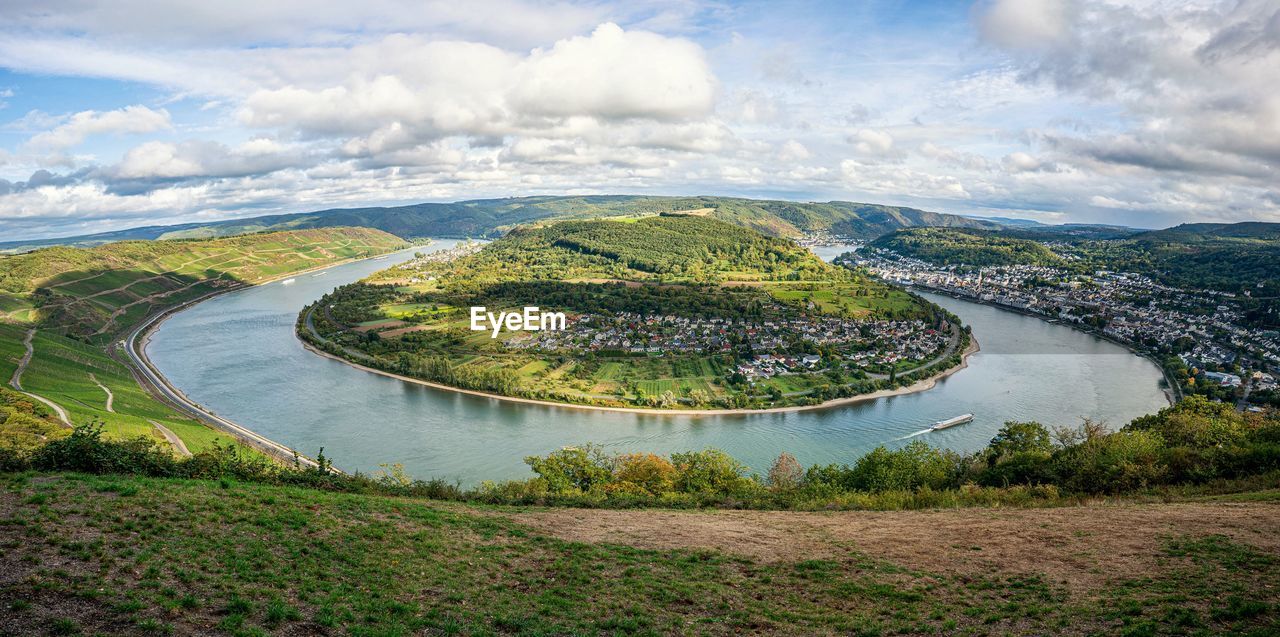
pixel 135 556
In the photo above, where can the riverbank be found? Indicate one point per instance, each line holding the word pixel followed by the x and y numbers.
pixel 151 379
pixel 1171 391
pixel 918 386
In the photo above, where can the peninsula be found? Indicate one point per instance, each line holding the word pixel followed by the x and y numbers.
pixel 676 312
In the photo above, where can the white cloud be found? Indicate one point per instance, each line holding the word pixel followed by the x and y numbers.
pixel 793 150
pixel 128 120
pixel 164 160
pixel 1025 24
pixel 1020 162
pixel 871 141
pixel 616 74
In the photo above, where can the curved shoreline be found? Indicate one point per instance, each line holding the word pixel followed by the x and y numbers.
pixel 154 382
pixel 1172 393
pixel 918 386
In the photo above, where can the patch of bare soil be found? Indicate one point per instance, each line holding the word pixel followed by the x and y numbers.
pixel 1080 547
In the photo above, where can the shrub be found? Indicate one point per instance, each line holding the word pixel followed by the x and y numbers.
pixel 86 451
pixel 911 467
pixel 1024 467
pixel 710 471
pixel 786 474
pixel 1111 463
pixel 1019 437
pixel 1194 422
pixel 650 474
pixel 572 469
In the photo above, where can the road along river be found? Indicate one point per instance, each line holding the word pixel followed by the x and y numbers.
pixel 236 355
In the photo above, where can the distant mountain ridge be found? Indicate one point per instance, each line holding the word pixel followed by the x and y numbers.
pixel 1192 232
pixel 493 217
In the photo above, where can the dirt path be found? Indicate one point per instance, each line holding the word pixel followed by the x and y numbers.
pixel 1081 547
pixel 123 288
pixel 178 445
pixel 110 397
pixel 16 381
pixel 151 298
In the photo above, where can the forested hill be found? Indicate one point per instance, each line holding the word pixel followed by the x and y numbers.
pixel 945 246
pixel 667 247
pixel 1202 232
pixel 1229 257
pixel 492 217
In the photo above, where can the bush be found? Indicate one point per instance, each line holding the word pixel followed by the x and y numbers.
pixel 1111 463
pixel 86 451
pixel 1019 437
pixel 786 474
pixel 1194 422
pixel 572 469
pixel 711 471
pixel 911 467
pixel 643 474
pixel 1024 467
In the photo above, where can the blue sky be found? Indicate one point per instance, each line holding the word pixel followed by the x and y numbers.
pixel 1142 112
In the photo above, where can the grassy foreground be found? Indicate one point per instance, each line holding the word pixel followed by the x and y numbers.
pixel 124 555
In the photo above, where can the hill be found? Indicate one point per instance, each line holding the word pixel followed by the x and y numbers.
pixel 96 292
pixel 1198 232
pixel 1235 257
pixel 662 311
pixel 492 217
pixel 63 311
pixel 141 556
pixel 966 247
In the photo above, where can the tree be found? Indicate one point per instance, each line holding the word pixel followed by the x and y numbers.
pixel 1018 437
pixel 572 469
pixel 652 473
pixel 786 473
pixel 710 471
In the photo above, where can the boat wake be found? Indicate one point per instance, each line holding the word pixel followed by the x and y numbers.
pixel 918 433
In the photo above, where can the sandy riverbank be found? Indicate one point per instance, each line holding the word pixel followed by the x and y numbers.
pixel 918 386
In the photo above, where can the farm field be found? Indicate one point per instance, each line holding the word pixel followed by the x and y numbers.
pixel 89 298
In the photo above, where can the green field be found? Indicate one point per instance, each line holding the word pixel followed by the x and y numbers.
pixel 146 556
pixel 847 300
pixel 93 296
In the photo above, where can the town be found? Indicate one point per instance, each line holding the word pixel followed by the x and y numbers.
pixel 1201 330
pixel 767 348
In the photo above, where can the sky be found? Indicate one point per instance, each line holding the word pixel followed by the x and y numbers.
pixel 1138 112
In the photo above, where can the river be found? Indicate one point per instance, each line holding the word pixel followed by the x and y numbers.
pixel 237 355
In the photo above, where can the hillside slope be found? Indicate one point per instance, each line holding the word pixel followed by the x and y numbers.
pixel 135 556
pixel 63 311
pixel 95 292
pixel 491 217
pixel 946 246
